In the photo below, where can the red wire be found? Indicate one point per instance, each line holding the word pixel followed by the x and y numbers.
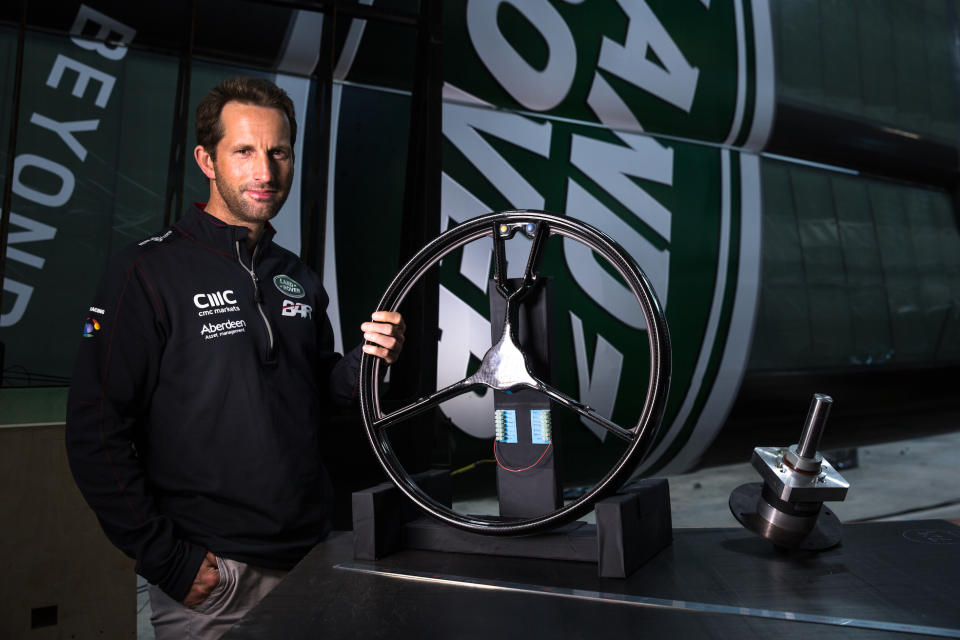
pixel 500 464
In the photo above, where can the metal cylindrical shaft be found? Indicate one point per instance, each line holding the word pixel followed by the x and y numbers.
pixel 813 425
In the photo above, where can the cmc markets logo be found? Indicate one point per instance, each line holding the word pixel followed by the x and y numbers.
pixel 288 286
pixel 215 299
pixel 215 303
pixel 687 213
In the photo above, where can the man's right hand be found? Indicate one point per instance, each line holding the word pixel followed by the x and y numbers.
pixel 208 577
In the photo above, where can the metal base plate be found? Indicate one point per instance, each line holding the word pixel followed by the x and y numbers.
pixel 825 533
pixel 888 580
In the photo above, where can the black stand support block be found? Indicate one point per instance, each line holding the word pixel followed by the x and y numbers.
pixel 631 528
pixel 380 513
pixel 576 541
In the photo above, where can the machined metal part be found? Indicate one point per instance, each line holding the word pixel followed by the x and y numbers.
pixel 791 485
pixel 803 456
pixel 787 507
pixel 505 368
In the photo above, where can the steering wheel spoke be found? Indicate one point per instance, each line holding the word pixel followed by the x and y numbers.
pixel 586 411
pixel 537 249
pixel 500 260
pixel 427 403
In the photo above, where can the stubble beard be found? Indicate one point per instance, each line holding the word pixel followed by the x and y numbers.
pixel 244 210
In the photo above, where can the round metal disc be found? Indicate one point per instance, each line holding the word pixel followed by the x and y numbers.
pixel 824 534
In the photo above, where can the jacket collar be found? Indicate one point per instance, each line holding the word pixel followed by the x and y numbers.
pixel 218 236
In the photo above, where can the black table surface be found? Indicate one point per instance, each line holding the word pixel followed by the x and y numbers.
pixel 888 579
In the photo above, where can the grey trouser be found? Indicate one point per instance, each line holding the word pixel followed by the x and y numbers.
pixel 240 588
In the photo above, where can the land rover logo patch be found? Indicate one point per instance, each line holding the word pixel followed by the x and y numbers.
pixel 288 286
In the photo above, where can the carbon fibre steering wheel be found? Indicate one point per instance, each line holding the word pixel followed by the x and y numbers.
pixel 505 366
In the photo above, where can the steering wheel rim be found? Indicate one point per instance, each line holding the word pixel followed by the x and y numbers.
pixel 641 436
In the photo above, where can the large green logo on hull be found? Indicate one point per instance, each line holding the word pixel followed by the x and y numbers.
pixel 551 106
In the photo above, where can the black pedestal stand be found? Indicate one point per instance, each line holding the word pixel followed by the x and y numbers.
pixel 631 528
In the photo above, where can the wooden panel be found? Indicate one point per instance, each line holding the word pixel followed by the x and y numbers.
pixel 54 552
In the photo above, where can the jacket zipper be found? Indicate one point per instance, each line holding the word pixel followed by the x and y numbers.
pixel 257 296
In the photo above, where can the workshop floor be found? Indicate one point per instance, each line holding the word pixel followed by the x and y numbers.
pixel 906 480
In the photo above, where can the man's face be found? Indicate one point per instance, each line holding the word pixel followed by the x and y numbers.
pixel 253 168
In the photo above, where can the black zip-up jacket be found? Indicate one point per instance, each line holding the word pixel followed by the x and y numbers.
pixel 195 415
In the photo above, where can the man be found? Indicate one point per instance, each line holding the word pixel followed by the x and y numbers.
pixel 195 418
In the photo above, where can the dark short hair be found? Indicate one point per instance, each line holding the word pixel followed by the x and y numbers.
pixel 259 92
